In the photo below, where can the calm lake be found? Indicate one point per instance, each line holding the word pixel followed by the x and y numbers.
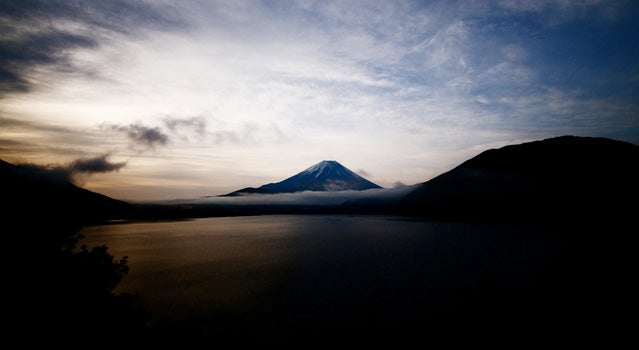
pixel 284 271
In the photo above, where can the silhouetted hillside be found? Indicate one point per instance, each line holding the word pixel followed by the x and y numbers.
pixel 33 194
pixel 559 178
pixel 58 290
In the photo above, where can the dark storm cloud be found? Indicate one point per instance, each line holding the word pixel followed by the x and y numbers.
pixel 72 170
pixel 37 32
pixel 199 128
pixel 144 136
pixel 99 164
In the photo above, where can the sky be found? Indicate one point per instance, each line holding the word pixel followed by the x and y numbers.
pixel 157 100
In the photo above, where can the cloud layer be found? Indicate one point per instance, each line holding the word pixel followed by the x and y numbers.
pixel 305 198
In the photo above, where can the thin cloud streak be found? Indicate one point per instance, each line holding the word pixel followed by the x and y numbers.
pixel 195 125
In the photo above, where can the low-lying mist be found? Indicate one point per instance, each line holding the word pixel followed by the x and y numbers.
pixel 301 198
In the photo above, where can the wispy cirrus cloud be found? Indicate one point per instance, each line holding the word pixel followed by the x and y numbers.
pixel 45 33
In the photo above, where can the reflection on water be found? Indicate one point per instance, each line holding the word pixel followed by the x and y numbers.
pixel 291 270
pixel 187 267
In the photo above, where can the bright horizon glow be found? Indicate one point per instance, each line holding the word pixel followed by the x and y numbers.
pixel 204 98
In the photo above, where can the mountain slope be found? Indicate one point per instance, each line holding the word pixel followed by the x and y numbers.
pixel 33 194
pixel 557 178
pixel 327 175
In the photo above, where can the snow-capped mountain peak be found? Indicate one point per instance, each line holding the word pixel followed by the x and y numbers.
pixel 318 169
pixel 327 175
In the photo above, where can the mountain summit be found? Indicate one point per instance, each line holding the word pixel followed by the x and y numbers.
pixel 327 175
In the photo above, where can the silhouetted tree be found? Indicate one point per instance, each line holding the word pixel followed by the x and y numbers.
pixel 75 293
pixel 97 271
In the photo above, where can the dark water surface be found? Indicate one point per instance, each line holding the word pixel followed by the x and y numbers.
pixel 338 272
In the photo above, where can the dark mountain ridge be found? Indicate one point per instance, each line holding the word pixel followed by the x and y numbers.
pixel 558 178
pixel 562 178
pixel 34 194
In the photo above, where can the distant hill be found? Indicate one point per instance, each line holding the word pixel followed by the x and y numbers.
pixel 34 195
pixel 559 178
pixel 327 175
